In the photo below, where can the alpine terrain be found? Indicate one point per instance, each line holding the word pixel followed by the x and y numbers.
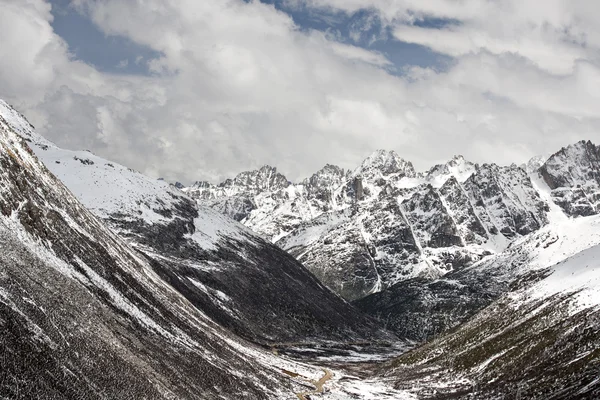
pixel 381 282
pixel 145 295
pixel 364 230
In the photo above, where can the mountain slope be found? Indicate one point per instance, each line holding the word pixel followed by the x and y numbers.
pixel 242 282
pixel 540 341
pixel 420 309
pixel 573 175
pixel 83 315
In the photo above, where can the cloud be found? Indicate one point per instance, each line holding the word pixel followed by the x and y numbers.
pixel 239 84
pixel 554 35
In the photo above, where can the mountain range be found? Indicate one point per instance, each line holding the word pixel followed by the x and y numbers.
pixel 363 230
pixel 115 285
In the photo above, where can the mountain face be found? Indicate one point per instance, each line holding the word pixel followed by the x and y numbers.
pixel 235 197
pixel 538 340
pixel 364 230
pixel 573 175
pixel 239 280
pixel 420 309
pixel 83 315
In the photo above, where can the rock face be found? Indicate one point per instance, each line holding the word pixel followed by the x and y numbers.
pixel 238 279
pixel 235 197
pixel 506 201
pixel 364 230
pixel 573 174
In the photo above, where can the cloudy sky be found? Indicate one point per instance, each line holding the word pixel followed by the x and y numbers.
pixel 195 89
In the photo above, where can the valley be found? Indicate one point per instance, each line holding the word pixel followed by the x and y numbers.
pixel 464 281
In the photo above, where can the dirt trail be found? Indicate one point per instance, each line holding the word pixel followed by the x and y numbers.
pixel 318 385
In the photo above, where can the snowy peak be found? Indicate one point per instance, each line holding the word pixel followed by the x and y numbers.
pixel 323 183
pixel 236 197
pixel 534 164
pixel 385 163
pixel 457 160
pixel 248 183
pixel 264 179
pixel 575 164
pixel 458 167
pixel 329 175
pixel 573 175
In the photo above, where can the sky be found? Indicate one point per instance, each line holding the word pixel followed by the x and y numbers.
pixel 201 90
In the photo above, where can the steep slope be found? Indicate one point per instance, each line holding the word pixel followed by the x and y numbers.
pixel 83 316
pixel 573 174
pixel 420 309
pixel 540 341
pixel 242 282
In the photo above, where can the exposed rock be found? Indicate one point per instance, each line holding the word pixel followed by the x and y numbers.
pixel 573 174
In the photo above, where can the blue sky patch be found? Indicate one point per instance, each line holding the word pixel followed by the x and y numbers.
pixel 111 54
pixel 117 54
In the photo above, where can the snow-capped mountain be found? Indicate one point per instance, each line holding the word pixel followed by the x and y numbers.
pixel 241 281
pixel 573 174
pixel 83 315
pixel 539 339
pixel 145 293
pixel 364 230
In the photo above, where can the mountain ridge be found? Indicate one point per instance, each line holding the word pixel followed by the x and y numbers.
pixel 453 214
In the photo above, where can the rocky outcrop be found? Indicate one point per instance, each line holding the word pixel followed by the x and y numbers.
pixel 573 175
pixel 506 201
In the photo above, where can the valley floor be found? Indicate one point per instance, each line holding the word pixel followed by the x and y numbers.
pixel 337 371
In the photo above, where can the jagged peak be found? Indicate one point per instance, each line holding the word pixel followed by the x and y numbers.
pixel 263 179
pixel 575 164
pixel 457 167
pixel 329 169
pixel 329 175
pixel 581 145
pixel 576 152
pixel 535 163
pixel 388 162
pixel 265 169
pixel 201 185
pixel 458 160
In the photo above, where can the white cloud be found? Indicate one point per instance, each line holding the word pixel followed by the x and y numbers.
pixel 239 85
pixel 554 34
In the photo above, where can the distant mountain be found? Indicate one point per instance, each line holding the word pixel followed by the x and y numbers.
pixel 364 230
